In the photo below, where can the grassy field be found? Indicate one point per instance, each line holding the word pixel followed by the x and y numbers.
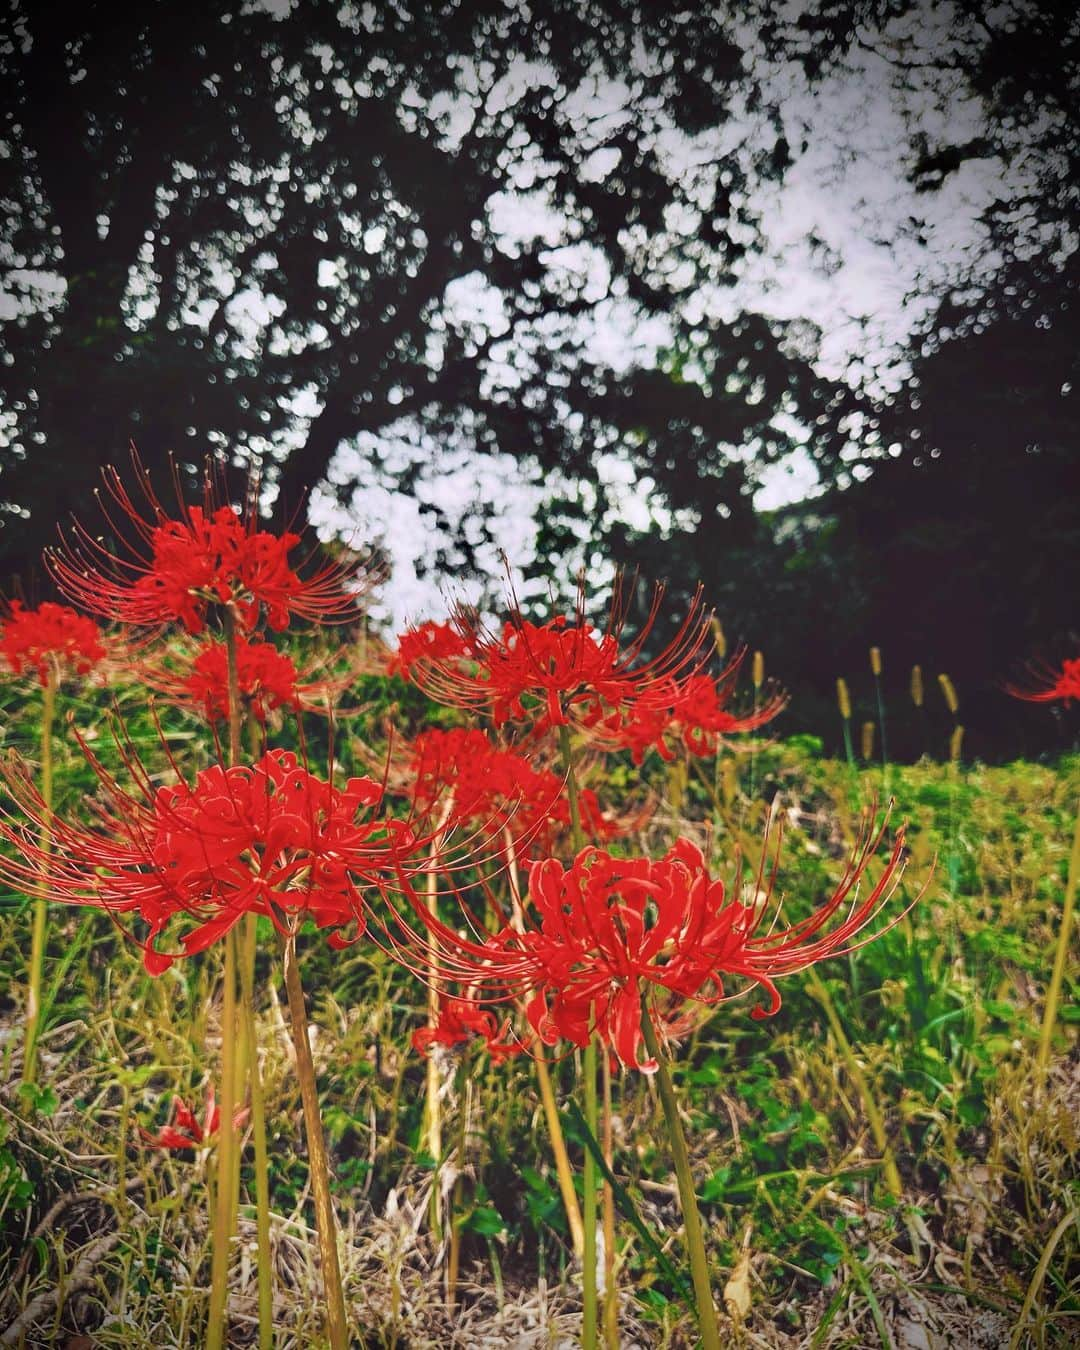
pixel 932 1031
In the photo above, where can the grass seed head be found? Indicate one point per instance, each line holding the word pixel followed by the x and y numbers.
pixel 949 692
pixel 916 686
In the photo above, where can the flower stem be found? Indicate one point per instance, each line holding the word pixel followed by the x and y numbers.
pixel 432 1107
pixel 41 905
pixel 225 1205
pixel 577 837
pixel 695 1242
pixel 248 1059
pixel 588 1283
pixel 456 1218
pixel 558 1146
pixel 588 1271
pixel 318 1162
pixel 563 1171
pixel 611 1293
pixel 233 678
pixel 1053 993
pixel 258 1124
pixel 239 1062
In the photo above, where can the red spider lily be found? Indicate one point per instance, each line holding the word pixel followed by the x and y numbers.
pixel 705 720
pixel 607 930
pixel 180 566
pixel 695 709
pixel 490 788
pixel 638 730
pixel 185 1130
pixel 568 671
pixel 428 641
pixel 1054 684
pixel 268 839
pixel 461 1019
pixel 49 638
pixel 268 679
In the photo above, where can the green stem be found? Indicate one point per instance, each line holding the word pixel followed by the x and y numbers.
pixel 41 905
pixel 563 1171
pixel 849 749
pixel 589 1319
pixel 224 1206
pixel 236 1055
pixel 1053 993
pixel 577 837
pixel 611 1293
pixel 258 1125
pixel 318 1162
pixel 258 1101
pixel 695 1241
pixel 233 678
pixel 455 1217
pixel 588 1218
pixel 432 1124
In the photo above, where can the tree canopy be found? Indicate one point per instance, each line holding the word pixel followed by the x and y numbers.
pixel 348 243
pixel 272 234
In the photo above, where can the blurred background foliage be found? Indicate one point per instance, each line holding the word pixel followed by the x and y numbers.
pixel 246 229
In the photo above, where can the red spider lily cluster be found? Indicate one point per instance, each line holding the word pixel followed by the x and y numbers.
pixel 50 638
pixel 693 713
pixel 267 679
pixel 185 1131
pixel 607 931
pixel 269 839
pixel 598 948
pixel 187 861
pixel 492 789
pixel 177 569
pixel 558 673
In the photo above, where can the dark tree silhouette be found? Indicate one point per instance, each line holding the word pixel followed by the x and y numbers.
pixel 231 231
pixel 960 550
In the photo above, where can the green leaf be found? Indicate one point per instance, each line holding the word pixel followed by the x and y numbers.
pixel 484 1220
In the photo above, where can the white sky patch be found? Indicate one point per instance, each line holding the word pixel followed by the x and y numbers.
pixel 457 481
pixel 886 252
pixel 520 217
